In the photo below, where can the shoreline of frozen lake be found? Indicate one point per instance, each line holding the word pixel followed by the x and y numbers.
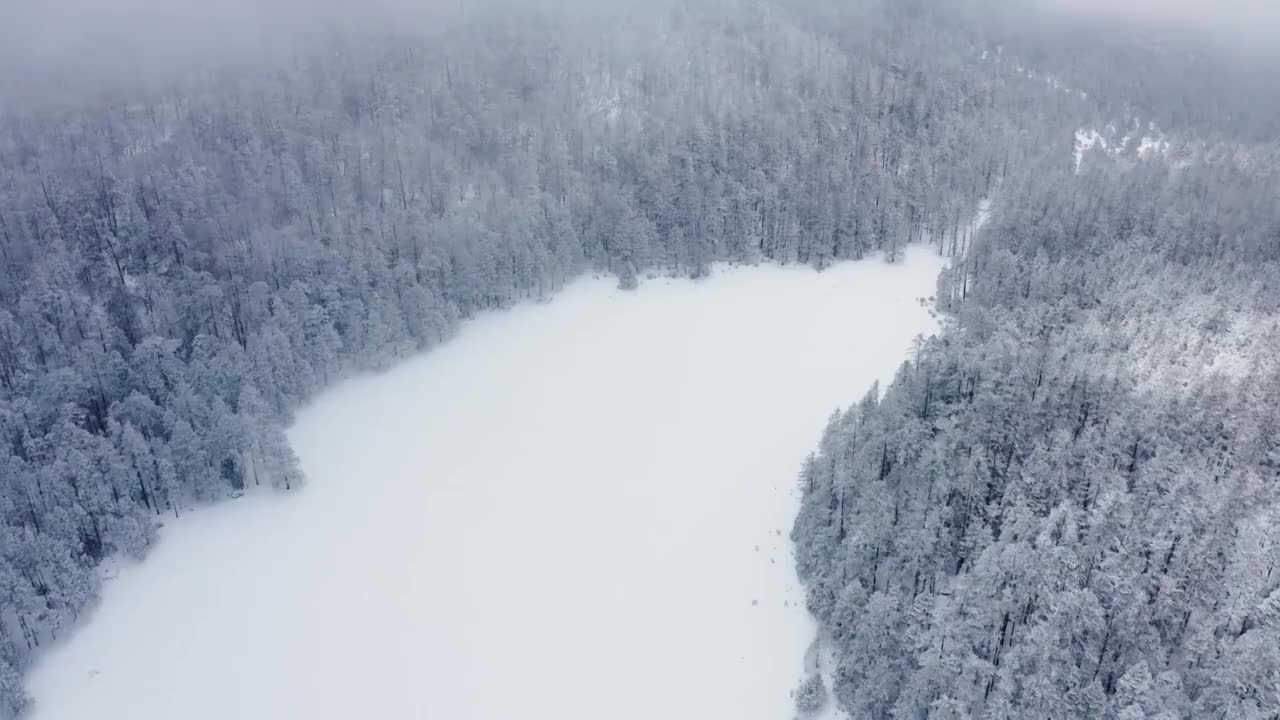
pixel 576 509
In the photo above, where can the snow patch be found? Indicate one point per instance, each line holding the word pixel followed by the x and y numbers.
pixel 1147 146
pixel 1087 140
pixel 982 215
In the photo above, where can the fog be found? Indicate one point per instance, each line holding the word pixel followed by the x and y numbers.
pixel 66 37
pixel 1255 24
pixel 66 48
pixel 71 47
pixel 67 44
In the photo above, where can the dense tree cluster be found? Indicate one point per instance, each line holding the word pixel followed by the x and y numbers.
pixel 184 264
pixel 1041 520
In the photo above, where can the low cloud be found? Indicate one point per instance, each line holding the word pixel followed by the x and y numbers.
pixel 1246 24
pixel 52 45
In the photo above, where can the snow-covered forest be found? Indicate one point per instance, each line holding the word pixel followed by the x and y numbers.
pixel 1064 504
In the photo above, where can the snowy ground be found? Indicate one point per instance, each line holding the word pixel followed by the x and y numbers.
pixel 575 510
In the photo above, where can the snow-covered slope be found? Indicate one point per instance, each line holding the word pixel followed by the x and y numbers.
pixel 575 510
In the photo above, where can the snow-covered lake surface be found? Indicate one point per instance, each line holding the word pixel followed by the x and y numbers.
pixel 575 510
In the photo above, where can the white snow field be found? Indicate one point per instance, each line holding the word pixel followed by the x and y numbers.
pixel 574 510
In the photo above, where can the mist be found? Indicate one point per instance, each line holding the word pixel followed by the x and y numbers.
pixel 1252 25
pixel 67 49
pixel 66 46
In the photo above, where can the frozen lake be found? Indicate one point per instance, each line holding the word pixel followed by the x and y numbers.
pixel 575 510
